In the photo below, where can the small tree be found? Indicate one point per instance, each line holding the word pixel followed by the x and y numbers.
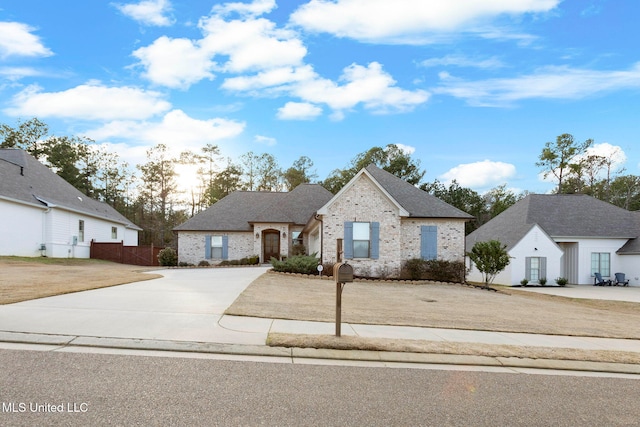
pixel 490 258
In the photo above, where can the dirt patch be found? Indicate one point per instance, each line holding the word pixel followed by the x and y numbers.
pixel 436 305
pixel 438 347
pixel 24 279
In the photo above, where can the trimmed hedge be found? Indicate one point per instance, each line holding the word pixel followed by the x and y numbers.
pixel 435 270
pixel 302 264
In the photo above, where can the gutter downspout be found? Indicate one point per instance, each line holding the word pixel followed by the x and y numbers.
pixel 318 218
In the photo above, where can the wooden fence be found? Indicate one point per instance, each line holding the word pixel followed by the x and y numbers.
pixel 118 252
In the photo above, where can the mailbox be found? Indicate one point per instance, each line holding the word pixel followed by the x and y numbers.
pixel 342 273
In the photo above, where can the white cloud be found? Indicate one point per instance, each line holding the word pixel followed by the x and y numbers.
pixel 370 86
pixel 17 73
pixel 175 63
pixel 251 44
pixel 91 101
pixel 299 111
pixel 148 12
pixel 463 61
pixel 479 174
pixel 176 129
pixel 265 140
pixel 16 40
pixel 409 21
pixel 277 78
pixel 550 82
pixel 256 8
pixel 407 149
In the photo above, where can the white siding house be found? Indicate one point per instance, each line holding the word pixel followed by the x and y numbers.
pixel 43 215
pixel 567 235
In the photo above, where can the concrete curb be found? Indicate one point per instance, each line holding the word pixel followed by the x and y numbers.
pixel 316 353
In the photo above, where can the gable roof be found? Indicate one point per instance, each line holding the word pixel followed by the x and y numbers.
pixel 559 215
pixel 240 209
pixel 23 179
pixel 412 201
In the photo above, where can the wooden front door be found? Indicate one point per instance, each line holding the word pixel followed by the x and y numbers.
pixel 271 245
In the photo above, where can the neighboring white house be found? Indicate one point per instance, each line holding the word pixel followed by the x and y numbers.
pixel 564 235
pixel 377 221
pixel 43 215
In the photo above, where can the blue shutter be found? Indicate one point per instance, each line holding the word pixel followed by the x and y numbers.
pixel 225 247
pixel 527 268
pixel 207 247
pixel 375 240
pixel 347 247
pixel 543 268
pixel 428 242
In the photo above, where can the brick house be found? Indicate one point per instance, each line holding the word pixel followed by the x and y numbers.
pixel 376 221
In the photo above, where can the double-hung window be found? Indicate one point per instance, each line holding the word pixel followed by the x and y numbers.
pixel 601 263
pixel 216 247
pixel 114 232
pixel 536 269
pixel 80 230
pixel 361 240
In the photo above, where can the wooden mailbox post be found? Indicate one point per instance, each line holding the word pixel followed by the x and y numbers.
pixel 342 273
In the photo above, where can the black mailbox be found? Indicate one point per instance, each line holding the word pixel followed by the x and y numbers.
pixel 343 273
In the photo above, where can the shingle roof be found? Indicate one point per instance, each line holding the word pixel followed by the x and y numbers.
pixel 559 215
pixel 24 179
pixel 417 202
pixel 238 210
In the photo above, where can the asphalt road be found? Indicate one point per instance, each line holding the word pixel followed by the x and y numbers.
pixel 99 389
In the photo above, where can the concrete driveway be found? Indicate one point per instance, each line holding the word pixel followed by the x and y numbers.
pixel 184 305
pixel 612 293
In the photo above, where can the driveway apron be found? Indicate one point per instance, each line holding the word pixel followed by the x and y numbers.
pixel 184 305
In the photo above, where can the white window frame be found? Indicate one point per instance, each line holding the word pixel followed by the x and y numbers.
pixel 216 246
pixel 81 230
pixel 361 240
pixel 601 263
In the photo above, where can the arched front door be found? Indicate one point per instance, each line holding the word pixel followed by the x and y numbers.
pixel 271 245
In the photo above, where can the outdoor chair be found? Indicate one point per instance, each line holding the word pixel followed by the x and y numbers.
pixel 599 281
pixel 620 280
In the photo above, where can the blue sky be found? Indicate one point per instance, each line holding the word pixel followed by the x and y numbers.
pixel 472 88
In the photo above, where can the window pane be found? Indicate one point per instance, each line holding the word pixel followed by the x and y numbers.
pixel 360 231
pixel 605 264
pixel 216 241
pixel 361 249
pixel 216 253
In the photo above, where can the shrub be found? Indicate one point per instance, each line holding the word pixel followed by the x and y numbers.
pixel 251 260
pixel 298 249
pixel 203 264
pixel 561 281
pixel 327 269
pixel 184 264
pixel 542 281
pixel 168 257
pixel 296 264
pixel 436 270
pixel 524 282
pixel 413 269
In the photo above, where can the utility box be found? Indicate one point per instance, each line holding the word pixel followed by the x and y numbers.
pixel 343 273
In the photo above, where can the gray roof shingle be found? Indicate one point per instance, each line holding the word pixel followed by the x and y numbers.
pixel 559 215
pixel 24 179
pixel 417 202
pixel 238 210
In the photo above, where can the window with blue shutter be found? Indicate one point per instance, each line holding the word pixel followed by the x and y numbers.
pixel 207 247
pixel 361 240
pixel 348 240
pixel 225 247
pixel 375 240
pixel 429 242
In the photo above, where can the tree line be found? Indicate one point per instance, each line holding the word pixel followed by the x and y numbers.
pixel 149 195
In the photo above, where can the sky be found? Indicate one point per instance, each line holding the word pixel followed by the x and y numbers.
pixel 473 89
